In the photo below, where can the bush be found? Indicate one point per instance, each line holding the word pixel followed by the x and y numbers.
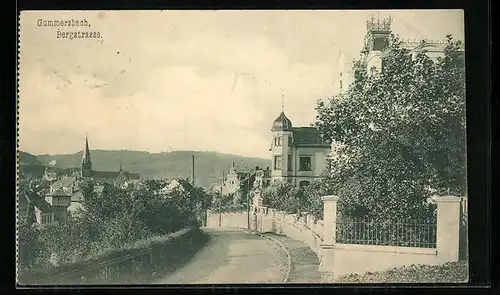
pixel 111 220
pixel 452 272
pixel 31 251
pixel 398 133
pixel 284 196
pixel 122 230
pixel 71 240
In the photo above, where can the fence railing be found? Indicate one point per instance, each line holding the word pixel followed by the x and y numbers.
pixel 402 233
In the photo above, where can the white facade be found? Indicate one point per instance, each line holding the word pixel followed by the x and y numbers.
pixel 376 42
pixel 231 184
pixel 298 154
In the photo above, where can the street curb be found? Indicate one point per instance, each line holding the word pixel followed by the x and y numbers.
pixel 289 257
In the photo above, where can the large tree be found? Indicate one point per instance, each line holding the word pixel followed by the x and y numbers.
pixel 400 133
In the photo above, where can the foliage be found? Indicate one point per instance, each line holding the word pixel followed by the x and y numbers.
pixel 30 248
pixel 234 208
pixel 111 220
pixel 124 228
pixel 451 272
pixel 71 240
pixel 219 201
pixel 314 193
pixel 400 134
pixel 284 196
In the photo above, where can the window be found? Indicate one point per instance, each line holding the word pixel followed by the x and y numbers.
pixel 277 162
pixel 290 163
pixel 277 141
pixel 303 183
pixel 380 43
pixel 305 164
pixel 47 218
pixel 290 141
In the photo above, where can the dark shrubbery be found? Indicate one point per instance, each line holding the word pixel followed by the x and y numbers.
pixel 291 199
pixel 399 135
pixel 399 138
pixel 30 251
pixel 111 220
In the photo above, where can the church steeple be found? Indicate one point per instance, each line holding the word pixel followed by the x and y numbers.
pixel 86 161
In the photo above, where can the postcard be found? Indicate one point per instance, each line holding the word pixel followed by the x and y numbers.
pixel 241 147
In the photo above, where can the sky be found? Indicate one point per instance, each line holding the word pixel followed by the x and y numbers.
pixel 160 81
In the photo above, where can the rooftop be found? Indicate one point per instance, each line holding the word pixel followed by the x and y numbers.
pixel 308 136
pixel 38 201
pixel 64 182
pixel 282 123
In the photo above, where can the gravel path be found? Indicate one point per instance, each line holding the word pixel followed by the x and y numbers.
pixel 233 256
pixel 305 263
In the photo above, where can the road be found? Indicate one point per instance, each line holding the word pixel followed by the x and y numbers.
pixel 233 256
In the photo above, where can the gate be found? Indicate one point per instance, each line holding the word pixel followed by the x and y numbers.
pixel 257 222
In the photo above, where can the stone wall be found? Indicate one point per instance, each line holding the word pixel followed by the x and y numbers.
pixel 341 259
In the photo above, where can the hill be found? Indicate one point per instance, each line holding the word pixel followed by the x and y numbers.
pixel 208 165
pixel 28 159
pixel 29 164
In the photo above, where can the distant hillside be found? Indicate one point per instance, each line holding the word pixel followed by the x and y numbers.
pixel 29 164
pixel 208 165
pixel 28 159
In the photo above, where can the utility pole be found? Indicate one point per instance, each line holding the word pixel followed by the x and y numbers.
pixel 192 157
pixel 248 203
pixel 204 205
pixel 220 200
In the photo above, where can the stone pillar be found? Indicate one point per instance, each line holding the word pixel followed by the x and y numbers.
pixel 448 227
pixel 329 219
pixel 327 250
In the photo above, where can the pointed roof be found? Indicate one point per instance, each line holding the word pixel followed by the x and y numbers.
pixel 39 202
pixel 86 152
pixel 282 123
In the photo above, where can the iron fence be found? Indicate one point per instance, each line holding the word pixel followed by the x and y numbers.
pixel 403 233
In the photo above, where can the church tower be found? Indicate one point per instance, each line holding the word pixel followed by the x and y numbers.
pixel 377 39
pixel 86 162
pixel 281 147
